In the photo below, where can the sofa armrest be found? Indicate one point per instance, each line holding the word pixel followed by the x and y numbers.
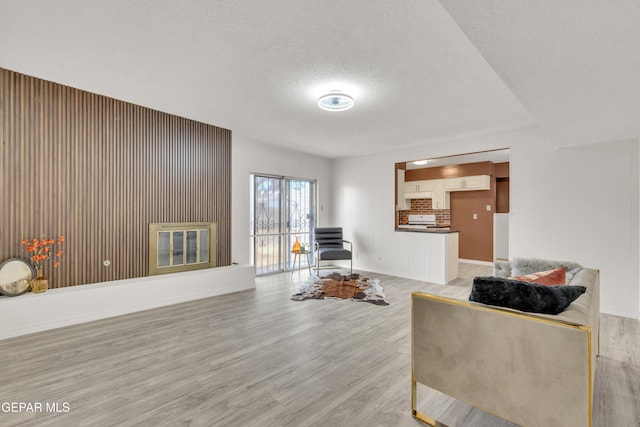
pixel 501 268
pixel 528 369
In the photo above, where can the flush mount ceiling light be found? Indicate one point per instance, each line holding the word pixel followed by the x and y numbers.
pixel 335 101
pixel 421 162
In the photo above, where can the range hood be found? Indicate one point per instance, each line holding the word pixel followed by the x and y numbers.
pixel 418 195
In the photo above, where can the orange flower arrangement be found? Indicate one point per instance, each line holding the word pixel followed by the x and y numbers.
pixel 42 249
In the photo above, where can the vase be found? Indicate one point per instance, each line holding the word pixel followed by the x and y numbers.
pixel 39 283
pixel 296 246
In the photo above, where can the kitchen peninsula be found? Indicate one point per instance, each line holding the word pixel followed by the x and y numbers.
pixel 435 251
pixel 468 193
pixel 445 212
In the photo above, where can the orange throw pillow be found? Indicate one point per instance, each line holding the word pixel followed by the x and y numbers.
pixel 557 276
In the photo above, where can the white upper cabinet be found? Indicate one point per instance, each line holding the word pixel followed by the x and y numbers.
pixel 477 182
pixel 453 184
pixel 438 189
pixel 419 186
pixel 428 189
pixel 468 183
pixel 401 203
pixel 441 198
pixel 418 189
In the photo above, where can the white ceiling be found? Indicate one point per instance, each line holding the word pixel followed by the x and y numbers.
pixel 495 156
pixel 416 75
pixel 575 64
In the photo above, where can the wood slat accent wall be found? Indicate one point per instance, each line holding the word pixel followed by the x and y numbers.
pixel 98 171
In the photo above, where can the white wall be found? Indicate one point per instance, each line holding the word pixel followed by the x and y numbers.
pixel 78 304
pixel 501 235
pixel 581 203
pixel 254 157
pixel 578 204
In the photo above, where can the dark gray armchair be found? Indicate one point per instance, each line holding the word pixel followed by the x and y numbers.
pixel 328 245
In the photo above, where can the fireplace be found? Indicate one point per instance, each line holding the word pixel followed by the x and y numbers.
pixel 181 246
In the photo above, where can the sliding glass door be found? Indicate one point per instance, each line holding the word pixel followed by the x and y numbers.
pixel 283 209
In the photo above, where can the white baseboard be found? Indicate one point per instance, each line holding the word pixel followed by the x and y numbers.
pixel 29 313
pixel 473 261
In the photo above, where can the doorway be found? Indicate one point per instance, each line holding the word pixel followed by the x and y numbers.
pixel 282 209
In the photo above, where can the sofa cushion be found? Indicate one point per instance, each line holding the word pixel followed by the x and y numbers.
pixel 522 266
pixel 557 276
pixel 502 268
pixel 523 296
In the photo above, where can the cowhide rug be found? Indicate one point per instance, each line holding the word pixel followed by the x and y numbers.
pixel 336 285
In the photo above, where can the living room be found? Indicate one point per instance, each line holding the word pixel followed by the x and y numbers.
pixel 575 187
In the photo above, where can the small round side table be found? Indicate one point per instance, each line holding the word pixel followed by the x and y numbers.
pixel 297 255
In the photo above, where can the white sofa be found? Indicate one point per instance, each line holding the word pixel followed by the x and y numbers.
pixel 531 369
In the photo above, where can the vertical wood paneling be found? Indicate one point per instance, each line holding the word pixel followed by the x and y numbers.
pixel 99 170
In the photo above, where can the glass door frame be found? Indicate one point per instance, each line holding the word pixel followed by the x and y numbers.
pixel 280 230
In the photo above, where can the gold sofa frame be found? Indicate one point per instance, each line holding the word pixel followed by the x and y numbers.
pixel 532 370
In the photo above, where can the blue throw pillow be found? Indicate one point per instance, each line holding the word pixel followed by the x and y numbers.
pixel 523 296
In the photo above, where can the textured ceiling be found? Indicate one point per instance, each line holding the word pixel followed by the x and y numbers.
pixel 575 64
pixel 495 156
pixel 418 71
pixel 258 67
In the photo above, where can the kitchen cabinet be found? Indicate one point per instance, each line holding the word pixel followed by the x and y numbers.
pixel 452 184
pixel 418 189
pixel 428 189
pixel 468 183
pixel 440 198
pixel 438 189
pixel 401 202
pixel 419 186
pixel 477 182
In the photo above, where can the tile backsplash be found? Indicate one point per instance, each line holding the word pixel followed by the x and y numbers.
pixel 424 207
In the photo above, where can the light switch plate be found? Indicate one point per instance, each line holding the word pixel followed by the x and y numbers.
pixel 475 216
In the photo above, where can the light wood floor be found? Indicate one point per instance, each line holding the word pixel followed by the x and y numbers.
pixel 256 358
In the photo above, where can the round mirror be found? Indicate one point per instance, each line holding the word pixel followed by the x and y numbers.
pixel 15 276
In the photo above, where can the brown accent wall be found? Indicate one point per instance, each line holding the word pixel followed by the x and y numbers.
pixel 476 235
pixel 502 195
pixel 502 170
pixel 99 170
pixel 502 187
pixel 451 171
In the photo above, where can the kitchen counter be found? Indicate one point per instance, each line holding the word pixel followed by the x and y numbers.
pixel 429 254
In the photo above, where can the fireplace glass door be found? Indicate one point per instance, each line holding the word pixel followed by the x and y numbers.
pixel 175 247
